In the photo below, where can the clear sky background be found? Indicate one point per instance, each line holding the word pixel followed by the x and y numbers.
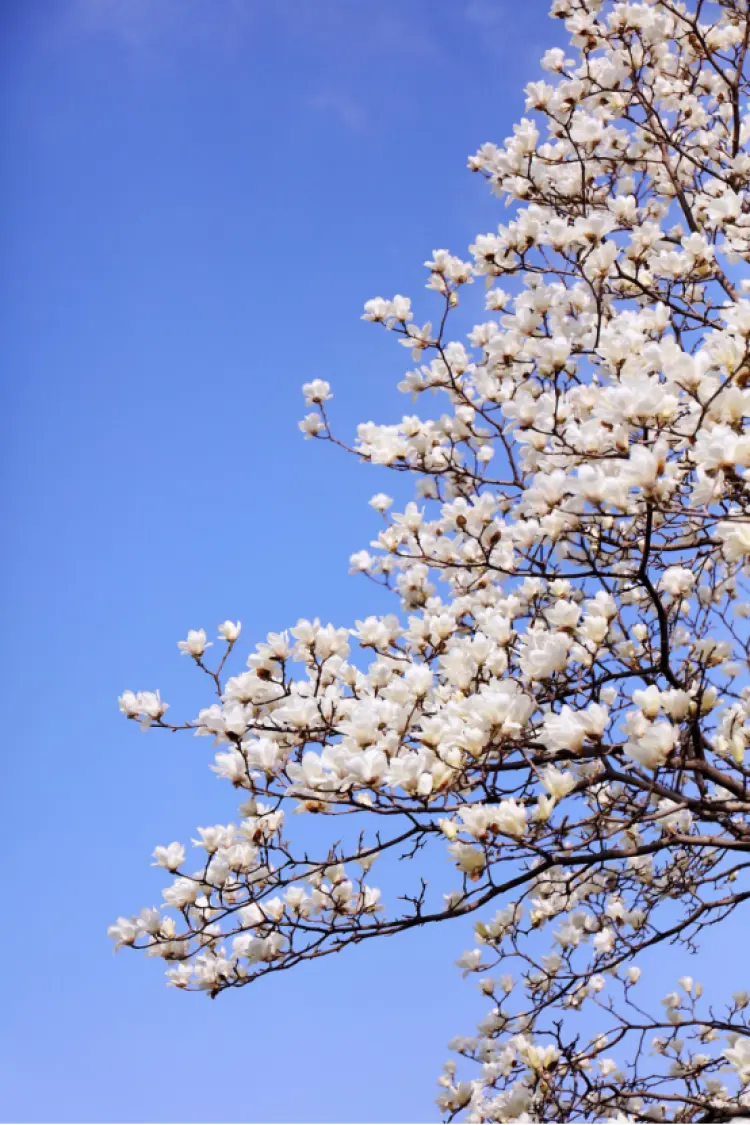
pixel 198 197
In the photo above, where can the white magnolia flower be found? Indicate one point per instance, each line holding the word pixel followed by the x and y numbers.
pixel 468 859
pixel 317 391
pixel 652 748
pixel 557 783
pixel 124 932
pixel 230 631
pixel 604 941
pixel 196 643
pixel 172 856
pixel 510 819
pixel 739 1056
pixel 381 502
pixel 544 654
pixel 735 539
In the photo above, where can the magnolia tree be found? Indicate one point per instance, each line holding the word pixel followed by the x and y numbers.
pixel 560 698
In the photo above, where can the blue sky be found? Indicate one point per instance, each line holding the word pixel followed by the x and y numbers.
pixel 199 196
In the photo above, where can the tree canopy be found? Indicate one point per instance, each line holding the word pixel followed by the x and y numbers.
pixel 560 697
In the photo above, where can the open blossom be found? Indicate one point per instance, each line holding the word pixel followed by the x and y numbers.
pixel 649 700
pixel 544 738
pixel 316 391
pixel 557 782
pixel 215 837
pixel 171 857
pixel 739 1057
pixel 230 630
pixel 390 312
pixel 569 729
pixel 470 961
pixel 604 942
pixel 677 580
pixel 196 643
pixel 183 892
pixel 477 819
pixel 540 1058
pixel 468 859
pixel 510 819
pixel 360 560
pixel 312 424
pixel 130 704
pixel 735 539
pixel 545 654
pixel 563 614
pixel 147 706
pixel 652 748
pixel 381 502
pixel 123 932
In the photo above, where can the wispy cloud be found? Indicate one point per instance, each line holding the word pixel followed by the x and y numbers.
pixel 348 41
pixel 341 105
pixel 135 22
pixel 140 24
pixel 509 29
pixel 145 25
pixel 486 13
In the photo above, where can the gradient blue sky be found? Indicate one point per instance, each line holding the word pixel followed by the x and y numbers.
pixel 198 197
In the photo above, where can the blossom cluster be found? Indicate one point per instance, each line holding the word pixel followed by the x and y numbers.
pixel 558 701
